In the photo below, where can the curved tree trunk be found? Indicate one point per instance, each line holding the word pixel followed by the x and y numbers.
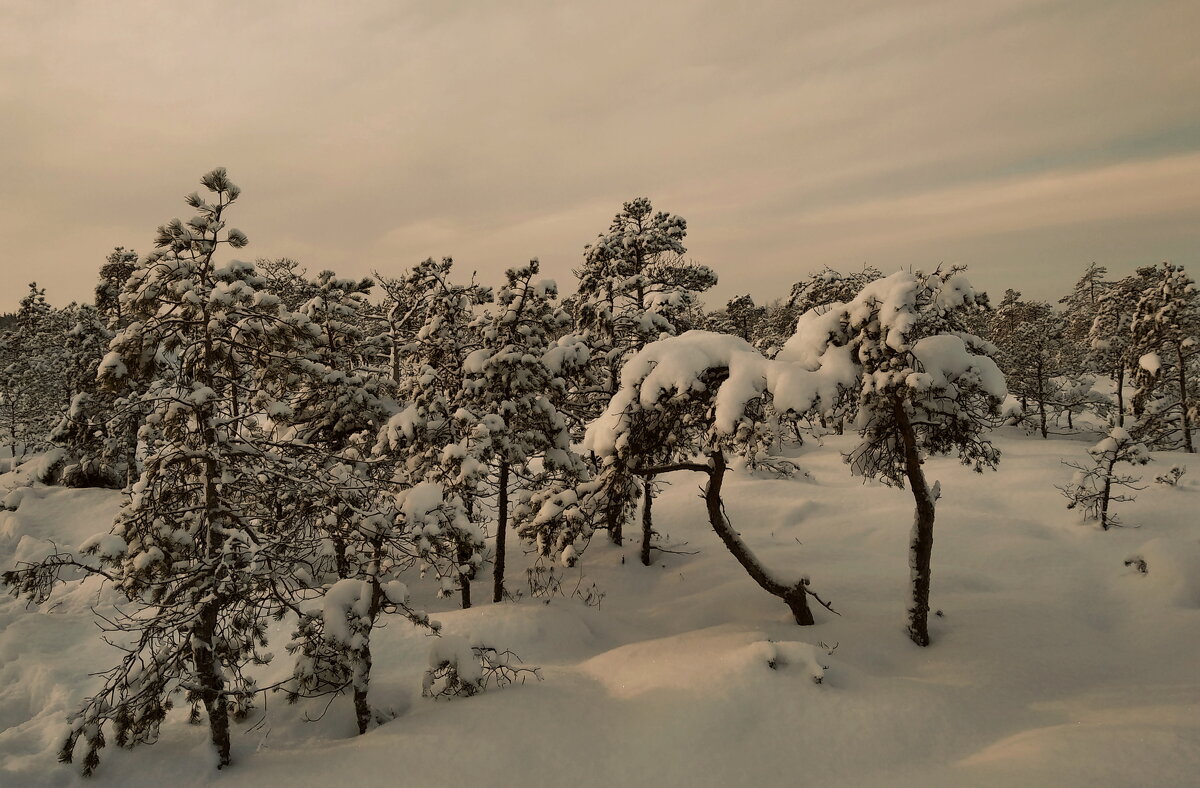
pixel 795 596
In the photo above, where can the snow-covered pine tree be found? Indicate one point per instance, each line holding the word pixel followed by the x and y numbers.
pixel 924 387
pixel 513 384
pixel 1076 393
pixel 113 274
pixel 742 318
pixel 194 550
pixel 287 279
pixel 94 455
pixel 817 291
pixel 1029 336
pixel 17 392
pixel 339 396
pixel 1079 312
pixel 433 438
pixel 1109 336
pixel 335 406
pixel 633 281
pixel 1164 336
pixel 357 582
pixel 632 278
pixel 686 403
pixel 1094 487
pixel 34 392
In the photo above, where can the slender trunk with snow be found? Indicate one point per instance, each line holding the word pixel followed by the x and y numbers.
pixel 647 518
pixel 501 528
pixel 1107 491
pixel 362 667
pixel 1041 395
pixel 1184 423
pixel 362 679
pixel 204 632
pixel 921 541
pixel 1119 379
pixel 464 581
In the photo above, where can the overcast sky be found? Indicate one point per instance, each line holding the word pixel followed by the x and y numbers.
pixel 1022 138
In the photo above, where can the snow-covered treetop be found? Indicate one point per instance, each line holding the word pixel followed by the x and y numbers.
pixel 828 286
pixel 897 340
pixel 674 370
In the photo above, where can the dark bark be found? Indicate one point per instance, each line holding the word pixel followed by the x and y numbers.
pixel 1041 395
pixel 204 633
pixel 464 580
pixel 501 528
pixel 616 522
pixel 1107 492
pixel 921 542
pixel 341 559
pixel 794 596
pixel 1119 378
pixel 647 518
pixel 362 709
pixel 208 675
pixel 1184 423
pixel 362 678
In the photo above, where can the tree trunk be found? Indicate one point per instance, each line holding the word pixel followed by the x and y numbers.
pixel 1119 378
pixel 362 709
pixel 340 559
pixel 1041 393
pixel 1107 492
pixel 208 675
pixel 204 631
pixel 615 524
pixel 501 528
pixel 1184 423
pixel 464 581
pixel 647 518
pixel 795 596
pixel 362 669
pixel 921 541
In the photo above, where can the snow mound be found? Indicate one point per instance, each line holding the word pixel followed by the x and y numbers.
pixel 1169 569
pixel 702 662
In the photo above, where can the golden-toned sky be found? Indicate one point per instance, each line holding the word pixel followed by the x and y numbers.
pixel 1023 138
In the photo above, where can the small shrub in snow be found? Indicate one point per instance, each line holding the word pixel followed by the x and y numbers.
pixel 1172 476
pixel 1094 488
pixel 457 669
pixel 546 580
pixel 1138 564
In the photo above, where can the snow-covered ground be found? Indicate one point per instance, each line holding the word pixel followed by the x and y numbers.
pixel 1054 663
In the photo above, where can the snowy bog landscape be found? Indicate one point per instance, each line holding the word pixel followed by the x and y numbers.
pixel 812 396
